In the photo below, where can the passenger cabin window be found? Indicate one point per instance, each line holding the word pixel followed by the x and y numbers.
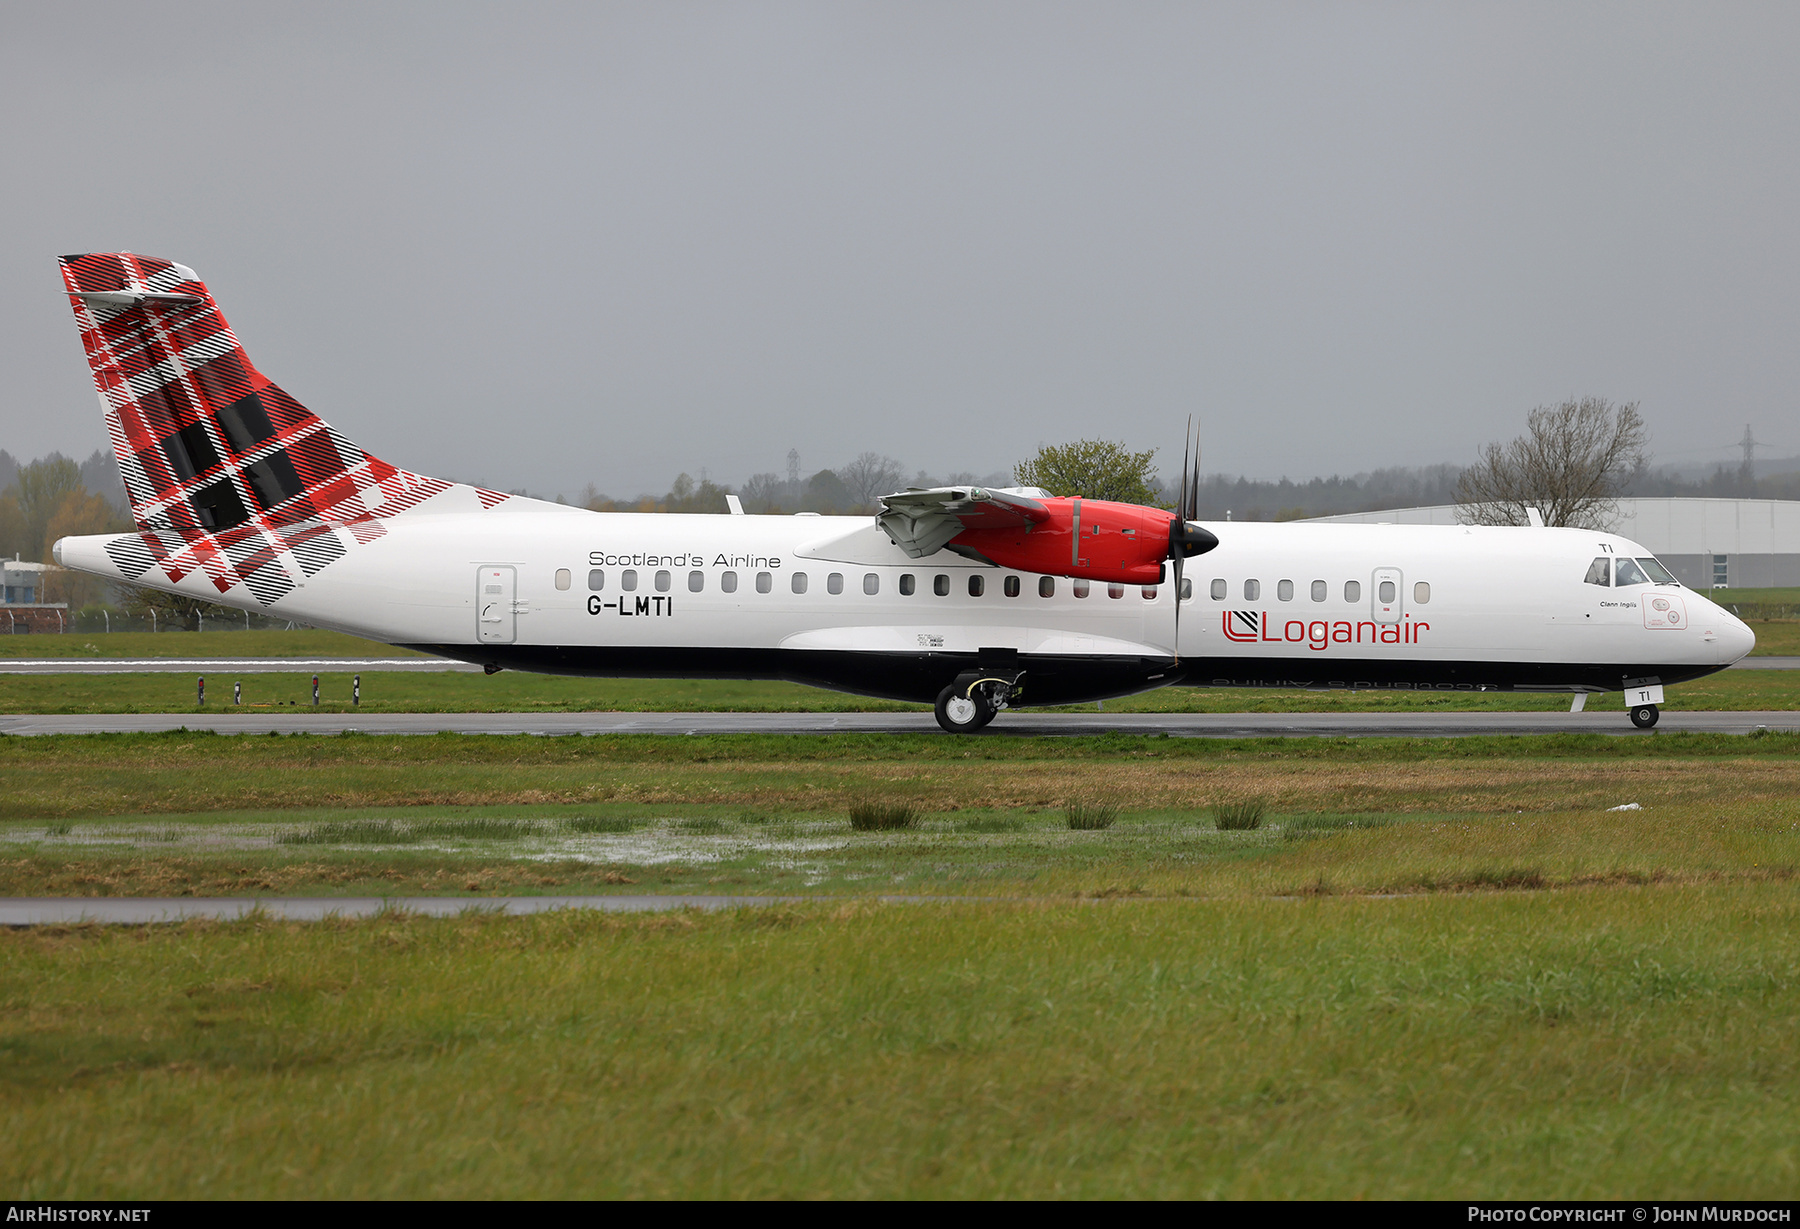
pixel 696 581
pixel 1115 590
pixel 1080 588
pixel 908 586
pixel 1284 590
pixel 1218 590
pixel 1318 590
pixel 764 582
pixel 1657 572
pixel 940 585
pixel 1421 592
pixel 1011 587
pixel 799 582
pixel 662 582
pixel 728 582
pixel 1599 572
pixel 1187 589
pixel 871 583
pixel 1046 586
pixel 1385 592
pixel 834 583
pixel 976 586
pixel 628 580
pixel 597 580
pixel 1353 591
pixel 1629 573
pixel 564 578
pixel 1252 590
pixel 1149 593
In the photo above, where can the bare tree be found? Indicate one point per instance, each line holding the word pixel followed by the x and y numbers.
pixel 871 476
pixel 173 609
pixel 762 493
pixel 1570 465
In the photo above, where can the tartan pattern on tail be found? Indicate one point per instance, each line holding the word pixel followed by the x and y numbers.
pixel 227 474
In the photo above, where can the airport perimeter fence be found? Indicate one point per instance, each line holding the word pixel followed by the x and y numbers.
pixel 53 620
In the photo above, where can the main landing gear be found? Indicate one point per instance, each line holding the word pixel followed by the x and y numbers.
pixel 975 698
pixel 962 713
pixel 1643 716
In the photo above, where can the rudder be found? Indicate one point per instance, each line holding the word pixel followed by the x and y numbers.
pixel 225 471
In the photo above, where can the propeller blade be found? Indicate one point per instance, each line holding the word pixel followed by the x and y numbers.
pixel 1179 560
pixel 1181 497
pixel 1190 511
pixel 1186 497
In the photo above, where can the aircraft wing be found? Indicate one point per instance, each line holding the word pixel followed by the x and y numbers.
pixel 921 521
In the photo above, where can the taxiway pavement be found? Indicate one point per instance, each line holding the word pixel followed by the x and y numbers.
pixel 1025 723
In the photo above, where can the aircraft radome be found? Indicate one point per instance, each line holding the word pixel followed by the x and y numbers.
pixel 975 600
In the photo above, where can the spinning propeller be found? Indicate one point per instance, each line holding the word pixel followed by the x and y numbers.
pixel 1186 539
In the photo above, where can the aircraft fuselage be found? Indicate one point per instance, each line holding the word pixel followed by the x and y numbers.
pixel 831 602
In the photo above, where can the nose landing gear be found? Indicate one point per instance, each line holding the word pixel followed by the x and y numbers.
pixel 1643 716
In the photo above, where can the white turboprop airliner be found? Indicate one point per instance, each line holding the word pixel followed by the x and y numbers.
pixel 977 600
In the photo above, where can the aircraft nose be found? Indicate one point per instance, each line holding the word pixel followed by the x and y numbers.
pixel 1735 637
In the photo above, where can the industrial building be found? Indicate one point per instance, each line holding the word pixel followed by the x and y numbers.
pixel 1706 543
pixel 22 608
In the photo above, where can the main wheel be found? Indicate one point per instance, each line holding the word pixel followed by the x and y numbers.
pixel 1644 716
pixel 960 713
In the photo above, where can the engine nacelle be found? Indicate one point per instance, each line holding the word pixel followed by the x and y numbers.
pixel 1094 539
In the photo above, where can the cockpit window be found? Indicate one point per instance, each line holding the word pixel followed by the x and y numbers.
pixel 1599 573
pixel 1629 573
pixel 1658 572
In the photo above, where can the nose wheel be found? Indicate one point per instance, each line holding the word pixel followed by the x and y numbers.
pixel 1644 716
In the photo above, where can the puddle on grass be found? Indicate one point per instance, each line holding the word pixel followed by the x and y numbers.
pixel 809 848
pixel 647 843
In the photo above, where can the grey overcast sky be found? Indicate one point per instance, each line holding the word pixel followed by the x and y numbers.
pixel 537 245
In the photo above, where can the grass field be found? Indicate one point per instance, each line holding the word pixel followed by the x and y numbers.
pixel 1440 968
pixel 1595 1043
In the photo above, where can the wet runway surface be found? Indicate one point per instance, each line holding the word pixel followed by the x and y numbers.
pixel 1015 724
pixel 54 910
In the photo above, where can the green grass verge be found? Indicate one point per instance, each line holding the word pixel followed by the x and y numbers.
pixel 184 772
pixel 510 691
pixel 305 642
pixel 1776 637
pixel 1601 1043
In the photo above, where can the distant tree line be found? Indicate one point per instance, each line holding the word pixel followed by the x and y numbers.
pixel 54 497
pixel 851 489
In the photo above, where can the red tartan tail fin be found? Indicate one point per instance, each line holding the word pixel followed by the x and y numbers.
pixel 225 471
pixel 204 440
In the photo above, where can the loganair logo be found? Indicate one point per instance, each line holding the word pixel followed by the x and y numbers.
pixel 1256 627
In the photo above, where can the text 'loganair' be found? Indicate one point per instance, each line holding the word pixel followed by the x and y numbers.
pixel 1256 627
